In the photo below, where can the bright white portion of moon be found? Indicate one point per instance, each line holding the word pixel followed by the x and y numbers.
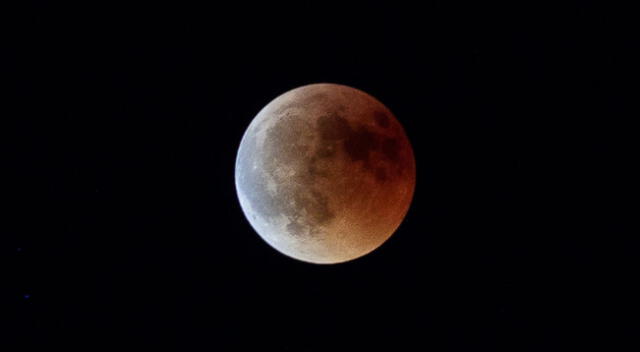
pixel 325 173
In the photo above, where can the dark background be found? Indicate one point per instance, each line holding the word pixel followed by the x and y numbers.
pixel 123 227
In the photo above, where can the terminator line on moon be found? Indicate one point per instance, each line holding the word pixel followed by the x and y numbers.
pixel 325 173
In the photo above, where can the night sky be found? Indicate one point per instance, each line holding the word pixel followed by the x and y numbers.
pixel 123 230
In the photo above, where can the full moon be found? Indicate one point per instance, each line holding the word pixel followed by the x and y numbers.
pixel 325 173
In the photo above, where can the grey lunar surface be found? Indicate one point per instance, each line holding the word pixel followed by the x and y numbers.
pixel 325 173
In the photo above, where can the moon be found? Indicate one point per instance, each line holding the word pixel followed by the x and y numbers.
pixel 325 173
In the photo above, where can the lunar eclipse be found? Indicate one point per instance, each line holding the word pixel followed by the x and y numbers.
pixel 325 173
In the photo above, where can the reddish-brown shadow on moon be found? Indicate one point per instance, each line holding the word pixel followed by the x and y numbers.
pixel 325 173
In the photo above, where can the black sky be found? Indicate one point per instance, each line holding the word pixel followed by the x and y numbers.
pixel 123 227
